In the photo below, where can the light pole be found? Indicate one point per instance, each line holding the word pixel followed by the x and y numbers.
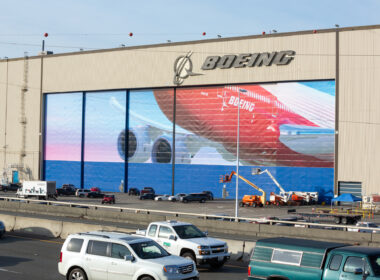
pixel 238 157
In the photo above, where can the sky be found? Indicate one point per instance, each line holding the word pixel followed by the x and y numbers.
pixel 74 25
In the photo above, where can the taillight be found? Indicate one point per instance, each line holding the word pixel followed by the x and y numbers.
pixel 60 257
pixel 249 270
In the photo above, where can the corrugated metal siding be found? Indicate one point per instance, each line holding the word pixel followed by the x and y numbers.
pixel 359 113
pixel 354 188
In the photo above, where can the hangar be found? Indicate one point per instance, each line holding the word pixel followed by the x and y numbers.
pixel 174 116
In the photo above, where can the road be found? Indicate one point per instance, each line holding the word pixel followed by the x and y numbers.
pixel 26 257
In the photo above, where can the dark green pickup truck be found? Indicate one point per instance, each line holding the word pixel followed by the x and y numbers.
pixel 300 259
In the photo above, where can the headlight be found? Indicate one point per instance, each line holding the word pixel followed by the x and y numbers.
pixel 204 247
pixel 171 269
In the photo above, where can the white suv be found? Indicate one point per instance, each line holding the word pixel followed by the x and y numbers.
pixel 119 256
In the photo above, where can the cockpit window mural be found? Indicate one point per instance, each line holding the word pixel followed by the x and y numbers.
pixel 287 128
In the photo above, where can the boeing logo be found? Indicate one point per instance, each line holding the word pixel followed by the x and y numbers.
pixel 183 68
pixel 248 60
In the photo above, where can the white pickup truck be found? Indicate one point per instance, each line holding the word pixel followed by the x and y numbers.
pixel 186 240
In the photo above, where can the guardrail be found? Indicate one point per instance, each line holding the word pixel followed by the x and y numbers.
pixel 203 216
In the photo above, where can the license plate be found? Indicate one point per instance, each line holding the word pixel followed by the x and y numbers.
pixel 220 258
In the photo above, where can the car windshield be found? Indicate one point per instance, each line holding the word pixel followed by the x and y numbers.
pixel 375 264
pixel 188 231
pixel 149 250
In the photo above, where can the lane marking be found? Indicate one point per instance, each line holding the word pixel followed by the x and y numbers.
pixel 31 238
pixel 6 270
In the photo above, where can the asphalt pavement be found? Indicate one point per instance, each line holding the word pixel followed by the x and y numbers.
pixel 26 257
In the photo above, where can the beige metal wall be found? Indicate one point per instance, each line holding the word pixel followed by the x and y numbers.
pixel 359 112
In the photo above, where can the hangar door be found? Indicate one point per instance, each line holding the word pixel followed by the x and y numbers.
pixel 354 188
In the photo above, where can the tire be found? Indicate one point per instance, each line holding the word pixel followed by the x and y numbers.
pixel 159 199
pixel 254 205
pixel 344 220
pixel 146 278
pixel 241 204
pixel 202 201
pixel 185 201
pixel 77 274
pixel 190 256
pixel 337 220
pixel 216 265
pixel 102 202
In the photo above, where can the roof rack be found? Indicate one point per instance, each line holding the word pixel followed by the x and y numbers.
pixel 94 234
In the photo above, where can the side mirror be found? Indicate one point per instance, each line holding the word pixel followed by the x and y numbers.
pixel 206 233
pixel 173 237
pixel 358 271
pixel 129 258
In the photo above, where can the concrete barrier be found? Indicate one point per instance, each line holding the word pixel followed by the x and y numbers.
pixel 9 221
pixel 50 228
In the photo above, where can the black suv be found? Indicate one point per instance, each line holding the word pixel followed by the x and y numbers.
pixel 133 191
pixel 201 197
pixel 67 189
pixel 209 194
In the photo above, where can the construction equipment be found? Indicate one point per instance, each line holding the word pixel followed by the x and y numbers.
pixel 290 197
pixel 248 200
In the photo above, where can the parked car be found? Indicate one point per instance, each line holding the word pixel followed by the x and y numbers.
pixel 2 229
pixel 107 198
pixel 201 197
pixel 266 220
pixel 210 195
pixel 67 189
pixel 162 197
pixel 95 189
pixel 10 187
pixel 147 196
pixel 133 191
pixel 105 255
pixel 177 197
pixel 367 225
pixel 147 190
pixel 82 192
pixel 95 194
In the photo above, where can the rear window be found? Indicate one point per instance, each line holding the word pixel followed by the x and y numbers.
pixel 287 257
pixel 75 245
pixel 98 248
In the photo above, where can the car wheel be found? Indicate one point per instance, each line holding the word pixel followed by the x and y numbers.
pixel 216 265
pixel 77 274
pixel 241 204
pixel 202 201
pixel 159 199
pixel 185 201
pixel 81 195
pixel 254 205
pixel 189 255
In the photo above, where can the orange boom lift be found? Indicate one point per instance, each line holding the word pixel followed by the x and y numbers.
pixel 248 200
